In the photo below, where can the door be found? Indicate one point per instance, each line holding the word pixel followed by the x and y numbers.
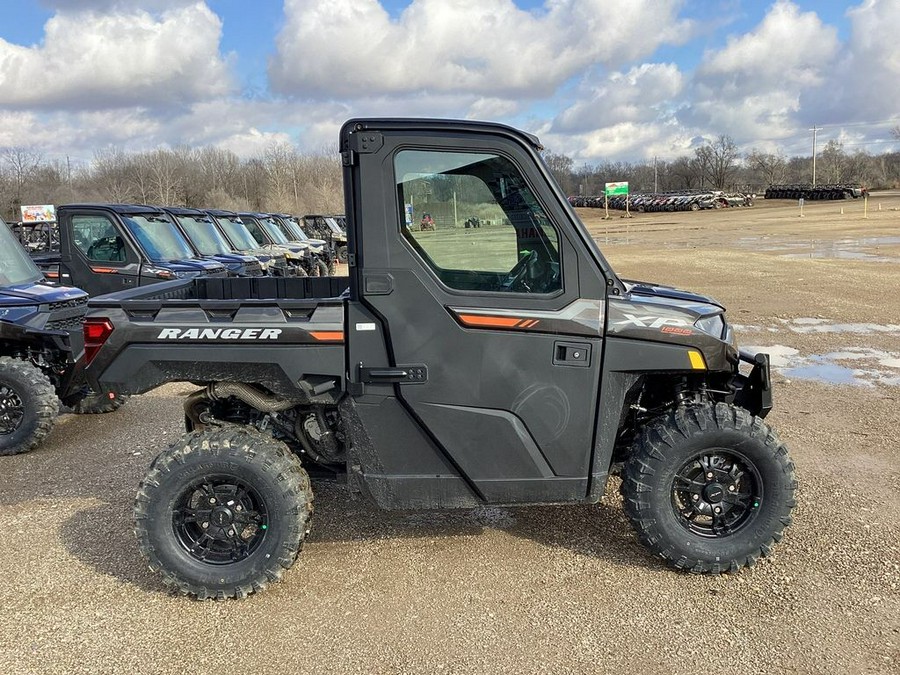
pixel 489 309
pixel 102 259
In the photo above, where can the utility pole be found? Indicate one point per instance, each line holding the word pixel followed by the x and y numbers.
pixel 655 176
pixel 815 131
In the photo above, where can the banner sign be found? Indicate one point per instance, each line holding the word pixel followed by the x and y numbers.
pixel 43 213
pixel 616 189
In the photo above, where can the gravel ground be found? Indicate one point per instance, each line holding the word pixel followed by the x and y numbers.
pixel 526 590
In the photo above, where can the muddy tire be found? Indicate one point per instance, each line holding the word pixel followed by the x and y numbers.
pixel 342 254
pixel 99 404
pixel 321 268
pixel 28 406
pixel 709 488
pixel 223 512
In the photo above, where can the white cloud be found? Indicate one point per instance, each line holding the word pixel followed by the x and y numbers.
pixel 488 48
pixel 643 94
pixel 864 84
pixel 751 88
pixel 93 60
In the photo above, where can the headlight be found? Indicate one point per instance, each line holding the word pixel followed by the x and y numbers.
pixel 712 325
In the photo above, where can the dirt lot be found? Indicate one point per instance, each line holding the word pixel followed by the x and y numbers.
pixel 556 589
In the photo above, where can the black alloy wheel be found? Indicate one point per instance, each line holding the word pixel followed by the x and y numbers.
pixel 716 493
pixel 219 520
pixel 12 410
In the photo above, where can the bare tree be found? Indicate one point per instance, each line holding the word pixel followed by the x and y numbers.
pixel 833 162
pixel 21 163
pixel 110 174
pixel 561 167
pixel 769 167
pixel 718 161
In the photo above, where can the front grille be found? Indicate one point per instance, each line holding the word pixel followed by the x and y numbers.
pixel 72 323
pixel 65 304
pixel 253 269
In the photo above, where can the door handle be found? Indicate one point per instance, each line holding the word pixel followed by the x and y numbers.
pixel 417 374
pixel 572 354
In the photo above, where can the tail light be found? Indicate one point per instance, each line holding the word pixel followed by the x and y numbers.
pixel 96 333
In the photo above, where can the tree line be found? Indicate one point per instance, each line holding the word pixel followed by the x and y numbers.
pixel 281 179
pixel 720 165
pixel 284 179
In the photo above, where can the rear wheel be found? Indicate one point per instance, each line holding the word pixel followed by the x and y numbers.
pixel 28 406
pixel 709 488
pixel 223 512
pixel 342 254
pixel 321 268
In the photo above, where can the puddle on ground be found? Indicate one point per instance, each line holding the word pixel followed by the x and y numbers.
pixel 842 249
pixel 853 365
pixel 806 325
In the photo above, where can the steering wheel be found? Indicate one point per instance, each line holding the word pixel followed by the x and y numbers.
pixel 516 275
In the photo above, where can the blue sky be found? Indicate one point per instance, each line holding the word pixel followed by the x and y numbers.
pixel 596 79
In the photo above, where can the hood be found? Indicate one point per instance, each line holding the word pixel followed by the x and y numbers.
pixel 38 293
pixel 192 265
pixel 664 314
pixel 645 291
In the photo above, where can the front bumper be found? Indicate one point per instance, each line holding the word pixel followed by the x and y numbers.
pixel 754 391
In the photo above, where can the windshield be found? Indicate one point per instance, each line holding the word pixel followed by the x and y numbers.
pixel 204 235
pixel 238 233
pixel 158 237
pixel 273 230
pixel 16 267
pixel 294 230
pixel 333 226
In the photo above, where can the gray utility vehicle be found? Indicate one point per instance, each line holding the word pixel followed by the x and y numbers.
pixel 327 227
pixel 505 364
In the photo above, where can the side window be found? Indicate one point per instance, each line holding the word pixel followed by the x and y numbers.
pixel 475 222
pixel 96 237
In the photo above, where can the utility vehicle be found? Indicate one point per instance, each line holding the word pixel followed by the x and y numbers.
pixel 208 242
pixel 266 232
pixel 272 258
pixel 322 249
pixel 108 247
pixel 328 227
pixel 506 364
pixel 40 346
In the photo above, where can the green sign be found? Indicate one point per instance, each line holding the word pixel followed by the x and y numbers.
pixel 616 189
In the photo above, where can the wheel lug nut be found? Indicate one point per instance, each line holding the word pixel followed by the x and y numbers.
pixel 204 525
pixel 240 508
pixel 718 510
pixel 731 488
pixel 212 500
pixel 709 474
pixel 695 497
pixel 230 533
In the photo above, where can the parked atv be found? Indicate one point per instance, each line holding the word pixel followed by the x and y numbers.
pixel 40 342
pixel 518 369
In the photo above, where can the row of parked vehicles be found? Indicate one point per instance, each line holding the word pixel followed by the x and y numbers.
pixel 47 276
pixel 102 248
pixel 829 191
pixel 667 201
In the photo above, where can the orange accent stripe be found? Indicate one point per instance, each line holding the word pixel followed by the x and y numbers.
pixel 52 275
pixel 328 335
pixel 105 270
pixel 530 324
pixel 489 321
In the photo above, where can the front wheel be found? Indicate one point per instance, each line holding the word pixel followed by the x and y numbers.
pixel 223 512
pixel 342 254
pixel 709 488
pixel 28 406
